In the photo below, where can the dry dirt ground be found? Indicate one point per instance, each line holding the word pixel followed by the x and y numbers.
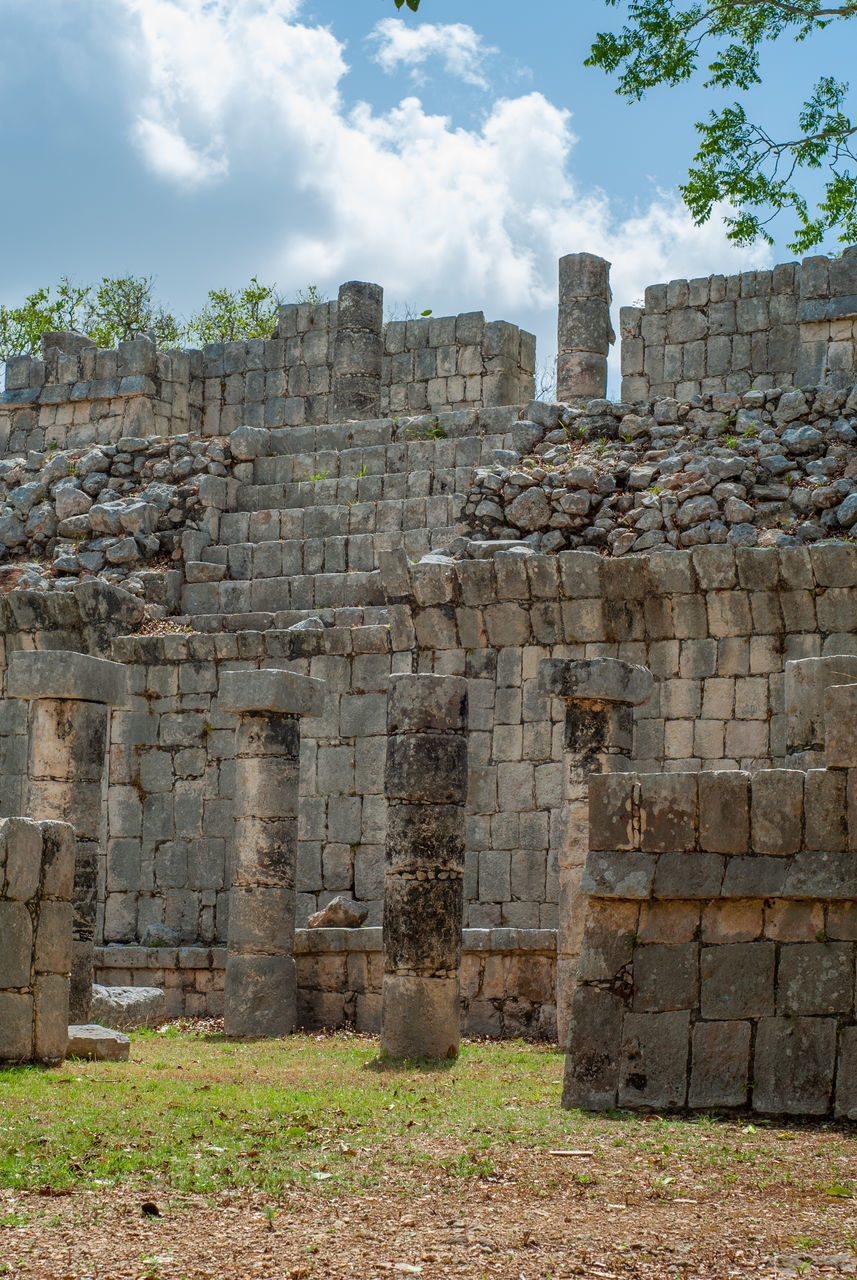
pixel 631 1197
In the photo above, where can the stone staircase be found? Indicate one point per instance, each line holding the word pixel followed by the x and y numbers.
pixel 307 520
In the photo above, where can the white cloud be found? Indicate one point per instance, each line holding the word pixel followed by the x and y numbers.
pixel 445 217
pixel 457 46
pixel 172 157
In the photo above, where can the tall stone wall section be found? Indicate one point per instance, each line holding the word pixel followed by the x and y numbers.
pixel 717 967
pixel 94 395
pixel 36 874
pixel 79 394
pixel 436 364
pixel 791 326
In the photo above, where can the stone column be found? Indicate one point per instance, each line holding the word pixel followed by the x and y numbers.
pixel 426 787
pixel 71 696
pixel 358 348
pixel 261 988
pixel 584 331
pixel 600 696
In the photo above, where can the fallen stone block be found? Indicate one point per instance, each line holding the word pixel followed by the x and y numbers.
pixel 98 1044
pixel 125 1008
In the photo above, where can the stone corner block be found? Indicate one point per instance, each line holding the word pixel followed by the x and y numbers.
pixel 283 692
pixel 61 673
pixel 840 726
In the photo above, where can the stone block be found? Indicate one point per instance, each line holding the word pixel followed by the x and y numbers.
pixel 277 691
pixel 776 811
pixel 720 1065
pixel 595 679
pixel 688 875
pixel 815 978
pixel 98 1044
pixel 430 768
pixel 840 726
pixel 260 995
pixel 737 980
pixel 417 703
pixel 653 1059
pixel 793 1065
pixel 59 673
pixel 422 924
pixel 419 1017
pixel 591 1078
pixel 16 1026
pixel 845 1105
pixel 665 976
pixel 423 836
pixel 262 919
pixel 611 811
pixel 668 812
pixel 724 812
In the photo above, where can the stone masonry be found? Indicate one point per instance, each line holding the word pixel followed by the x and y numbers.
pixel 71 695
pixel 261 991
pixel 717 968
pixel 425 783
pixel 600 695
pixel 36 875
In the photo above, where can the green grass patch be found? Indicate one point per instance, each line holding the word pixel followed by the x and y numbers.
pixel 201 1114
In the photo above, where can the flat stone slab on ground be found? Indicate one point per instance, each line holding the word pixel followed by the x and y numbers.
pixel 99 1044
pixel 125 1008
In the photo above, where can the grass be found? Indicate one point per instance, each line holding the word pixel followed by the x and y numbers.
pixel 200 1113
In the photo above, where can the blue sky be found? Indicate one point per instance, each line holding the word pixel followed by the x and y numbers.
pixel 452 156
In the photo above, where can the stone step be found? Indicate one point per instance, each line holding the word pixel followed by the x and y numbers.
pixel 274 594
pixel 277 557
pixel 275 523
pixel 347 619
pixel 351 491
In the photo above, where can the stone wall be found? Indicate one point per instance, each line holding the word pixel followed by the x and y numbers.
pixel 717 967
pixel 507 979
pixel 439 363
pixel 79 395
pixel 791 326
pixel 36 876
pixel 286 380
pixel 91 395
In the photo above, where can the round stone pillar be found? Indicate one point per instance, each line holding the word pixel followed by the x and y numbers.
pixel 358 349
pixel 261 988
pixel 584 331
pixel 71 695
pixel 426 787
pixel 600 696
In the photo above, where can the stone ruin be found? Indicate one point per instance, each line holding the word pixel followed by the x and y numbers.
pixel 556 695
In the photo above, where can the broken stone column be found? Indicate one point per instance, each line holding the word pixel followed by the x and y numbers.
pixel 71 695
pixel 426 787
pixel 261 988
pixel 584 331
pixel 36 878
pixel 600 695
pixel 358 348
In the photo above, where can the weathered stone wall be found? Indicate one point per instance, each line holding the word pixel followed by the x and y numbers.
pixel 791 326
pixel 435 364
pixel 36 875
pixel 717 968
pixel 83 395
pixel 97 396
pixel 507 979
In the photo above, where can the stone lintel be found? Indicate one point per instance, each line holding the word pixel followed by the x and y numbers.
pixel 595 680
pixel 282 692
pixel 61 673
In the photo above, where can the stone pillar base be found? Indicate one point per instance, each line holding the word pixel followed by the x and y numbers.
pixel 419 1017
pixel 260 995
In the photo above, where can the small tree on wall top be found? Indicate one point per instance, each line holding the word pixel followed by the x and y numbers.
pixel 759 171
